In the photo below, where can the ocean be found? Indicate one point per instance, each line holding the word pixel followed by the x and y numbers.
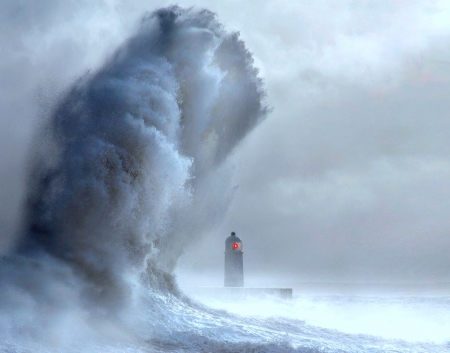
pixel 168 322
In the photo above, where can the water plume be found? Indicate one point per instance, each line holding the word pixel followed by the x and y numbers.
pixel 133 162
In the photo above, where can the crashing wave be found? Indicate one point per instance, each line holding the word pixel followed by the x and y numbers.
pixel 131 166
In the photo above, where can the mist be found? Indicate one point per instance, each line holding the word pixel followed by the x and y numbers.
pixel 346 180
pixel 135 136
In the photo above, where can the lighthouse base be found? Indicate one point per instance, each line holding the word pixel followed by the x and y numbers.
pixel 239 292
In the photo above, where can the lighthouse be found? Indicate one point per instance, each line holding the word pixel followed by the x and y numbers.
pixel 234 266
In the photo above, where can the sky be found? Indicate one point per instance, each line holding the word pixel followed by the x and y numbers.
pixel 346 180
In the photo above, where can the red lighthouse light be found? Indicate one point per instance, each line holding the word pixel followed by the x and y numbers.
pixel 235 246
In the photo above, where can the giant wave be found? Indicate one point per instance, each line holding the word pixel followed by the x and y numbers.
pixel 131 166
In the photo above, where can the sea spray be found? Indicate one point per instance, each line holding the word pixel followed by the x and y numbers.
pixel 131 166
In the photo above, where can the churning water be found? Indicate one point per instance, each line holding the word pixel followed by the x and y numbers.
pixel 132 163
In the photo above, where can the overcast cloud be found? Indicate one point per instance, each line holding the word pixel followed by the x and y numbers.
pixel 347 179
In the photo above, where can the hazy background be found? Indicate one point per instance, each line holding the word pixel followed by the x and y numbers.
pixel 349 177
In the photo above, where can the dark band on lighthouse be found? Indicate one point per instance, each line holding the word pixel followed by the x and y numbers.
pixel 234 267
